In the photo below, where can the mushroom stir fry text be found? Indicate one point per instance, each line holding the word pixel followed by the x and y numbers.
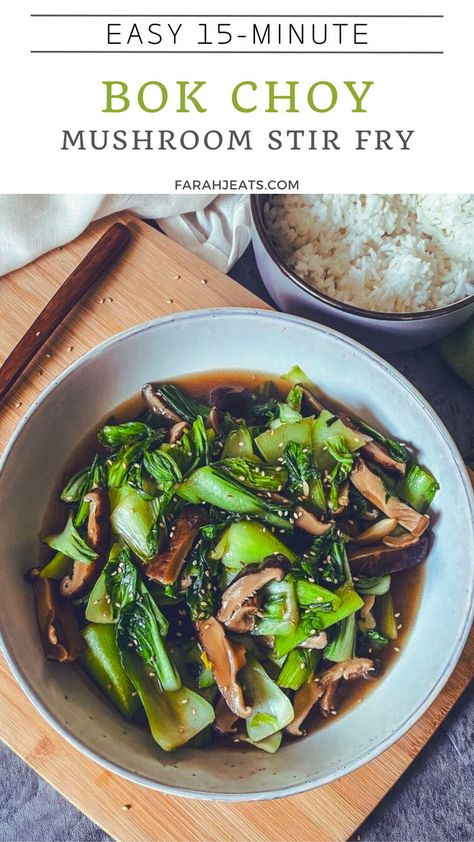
pixel 226 566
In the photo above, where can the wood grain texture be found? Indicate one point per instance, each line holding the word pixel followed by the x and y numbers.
pixel 81 279
pixel 155 277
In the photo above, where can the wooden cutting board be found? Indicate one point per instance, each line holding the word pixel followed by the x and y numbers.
pixel 155 277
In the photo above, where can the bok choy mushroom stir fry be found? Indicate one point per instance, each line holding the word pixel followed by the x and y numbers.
pixel 226 566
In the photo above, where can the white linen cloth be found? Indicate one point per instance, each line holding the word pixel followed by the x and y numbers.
pixel 216 228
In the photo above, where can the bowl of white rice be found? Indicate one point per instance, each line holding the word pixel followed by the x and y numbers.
pixel 396 271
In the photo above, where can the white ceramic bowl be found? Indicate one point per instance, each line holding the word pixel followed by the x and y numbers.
pixel 385 332
pixel 262 341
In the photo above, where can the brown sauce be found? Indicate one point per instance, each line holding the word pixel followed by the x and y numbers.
pixel 406 586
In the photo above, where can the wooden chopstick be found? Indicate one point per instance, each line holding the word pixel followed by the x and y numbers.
pixel 74 287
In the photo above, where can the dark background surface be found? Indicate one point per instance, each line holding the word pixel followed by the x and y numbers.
pixel 432 801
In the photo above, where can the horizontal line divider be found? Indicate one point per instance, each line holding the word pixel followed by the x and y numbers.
pixel 204 15
pixel 251 52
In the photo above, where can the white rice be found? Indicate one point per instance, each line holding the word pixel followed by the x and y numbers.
pixel 391 253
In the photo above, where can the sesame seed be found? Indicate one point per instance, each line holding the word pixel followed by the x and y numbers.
pixel 397 614
pixel 126 806
pixel 71 348
pixel 204 280
pixel 38 332
pixel 396 649
pixel 169 301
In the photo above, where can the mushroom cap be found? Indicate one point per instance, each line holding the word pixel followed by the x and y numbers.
pixel 85 575
pixel 237 610
pixel 310 523
pixel 377 453
pixel 57 622
pixel 232 399
pixel 214 419
pixel 158 405
pixel 244 616
pixel 176 431
pixel 380 559
pixel 329 680
pixel 372 487
pixel 227 658
pixel 166 566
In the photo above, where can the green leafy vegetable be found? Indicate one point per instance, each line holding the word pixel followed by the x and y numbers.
pixel 206 485
pixel 279 610
pixel 248 542
pixel 296 375
pixel 298 668
pixel 138 626
pixel 271 709
pixel 200 593
pixel 418 488
pixel 239 443
pixel 252 474
pixel 120 465
pixel 70 543
pixel 294 398
pixel 117 435
pixel 369 642
pixel 342 647
pixel 396 449
pixel 175 716
pixel 133 519
pixel 187 408
pixel 102 661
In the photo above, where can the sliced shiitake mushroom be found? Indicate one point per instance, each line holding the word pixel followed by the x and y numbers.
pixel 226 658
pixel 158 405
pixel 310 523
pixel 57 622
pixel 214 420
pixel 167 565
pixel 232 399
pixel 379 559
pixel 330 679
pixel 239 605
pixel 177 431
pixel 372 487
pixel 85 575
